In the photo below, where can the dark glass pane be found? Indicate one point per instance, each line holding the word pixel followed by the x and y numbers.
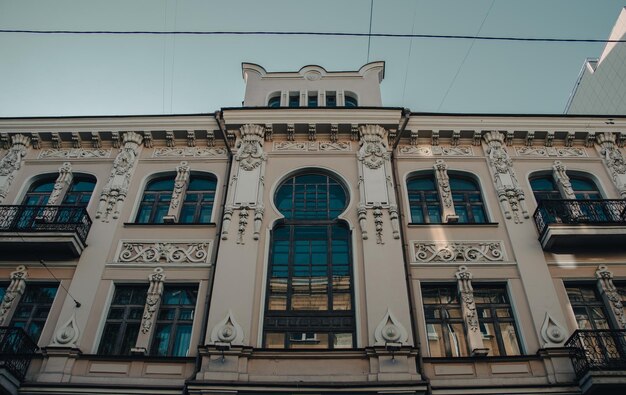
pixel 198 183
pixel 109 337
pixel 462 184
pixel 43 186
pixel 313 101
pixel 581 184
pixel 274 102
pixel 161 184
pixel 422 184
pixel 82 185
pixel 294 101
pixel 350 101
pixel 161 340
pixel 543 184
pixel 130 338
pixel 331 100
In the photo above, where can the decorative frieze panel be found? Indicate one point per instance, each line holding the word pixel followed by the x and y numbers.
pixel 458 251
pixel 546 152
pixel 150 251
pixel 312 146
pixel 74 153
pixel 193 152
pixel 427 150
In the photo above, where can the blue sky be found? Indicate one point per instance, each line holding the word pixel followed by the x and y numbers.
pixel 51 75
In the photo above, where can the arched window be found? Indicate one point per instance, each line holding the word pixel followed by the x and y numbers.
pixel 351 101
pixel 39 192
pixel 425 202
pixel 155 201
pixel 544 188
pixel 309 302
pixel 198 203
pixel 196 207
pixel 468 202
pixel 80 191
pixel 274 100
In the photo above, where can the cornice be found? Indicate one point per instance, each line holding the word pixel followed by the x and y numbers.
pixel 357 116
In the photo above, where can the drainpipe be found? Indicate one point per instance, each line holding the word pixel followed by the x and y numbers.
pixel 406 114
pixel 221 124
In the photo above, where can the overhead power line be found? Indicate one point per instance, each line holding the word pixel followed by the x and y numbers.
pixel 333 34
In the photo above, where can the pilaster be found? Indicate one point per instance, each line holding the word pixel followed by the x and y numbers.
pixel 178 194
pixel 470 315
pixel 448 214
pixel 611 296
pixel 13 294
pixel 153 302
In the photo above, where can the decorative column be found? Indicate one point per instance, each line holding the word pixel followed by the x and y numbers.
pixel 510 193
pixel 12 162
pixel 611 296
pixel 448 213
pixel 13 294
pixel 153 302
pixel 62 184
pixel 613 160
pixel 180 189
pixel 247 184
pixel 115 190
pixel 562 180
pixel 470 316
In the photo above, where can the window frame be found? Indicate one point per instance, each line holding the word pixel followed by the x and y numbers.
pixel 588 305
pixel 124 321
pixel 444 319
pixel 176 322
pixel 494 319
pixel 34 307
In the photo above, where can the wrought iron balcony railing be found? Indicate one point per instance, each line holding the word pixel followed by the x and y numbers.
pixel 597 350
pixel 16 351
pixel 45 219
pixel 574 212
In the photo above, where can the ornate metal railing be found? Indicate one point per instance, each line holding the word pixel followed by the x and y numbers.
pixel 597 349
pixel 572 212
pixel 16 351
pixel 45 219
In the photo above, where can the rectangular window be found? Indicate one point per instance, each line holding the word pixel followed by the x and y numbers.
pixel 174 323
pixel 331 99
pixel 122 324
pixel 32 310
pixel 587 306
pixel 312 99
pixel 495 317
pixel 444 321
pixel 294 99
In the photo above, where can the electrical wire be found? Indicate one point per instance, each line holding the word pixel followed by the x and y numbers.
pixel 76 302
pixel 458 71
pixel 369 37
pixel 331 34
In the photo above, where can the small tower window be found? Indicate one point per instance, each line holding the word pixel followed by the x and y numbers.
pixel 351 101
pixel 331 99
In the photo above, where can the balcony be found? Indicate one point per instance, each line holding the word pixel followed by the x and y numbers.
pixel 599 360
pixel 43 232
pixel 568 225
pixel 16 351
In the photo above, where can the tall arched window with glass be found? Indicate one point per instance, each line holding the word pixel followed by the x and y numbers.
pixel 310 289
pixel 156 200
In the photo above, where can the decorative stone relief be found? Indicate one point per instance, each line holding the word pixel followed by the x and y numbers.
pixel 548 151
pixel 13 294
pixel 61 184
pixel 470 316
pixel 153 299
pixel 609 291
pixel 613 160
pixel 180 188
pixel 562 179
pixel 375 183
pixel 312 146
pixel 426 150
pixel 115 190
pixel 194 152
pixel 445 193
pixel 227 331
pixel 247 183
pixel 12 162
pixel 510 193
pixel 68 334
pixel 164 252
pixel 390 330
pixel 460 251
pixel 75 153
pixel 552 333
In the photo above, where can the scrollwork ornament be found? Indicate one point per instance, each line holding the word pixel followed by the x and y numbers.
pixel 462 251
pixel 166 252
pixel 250 151
pixel 373 152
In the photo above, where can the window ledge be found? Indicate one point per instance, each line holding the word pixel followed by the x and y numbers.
pixel 499 358
pixel 198 224
pixel 146 358
pixel 484 224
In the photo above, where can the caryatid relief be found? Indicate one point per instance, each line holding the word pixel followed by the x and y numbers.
pixel 115 190
pixel 12 162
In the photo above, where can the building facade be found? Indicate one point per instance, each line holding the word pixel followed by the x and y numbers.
pixel 313 241
pixel 601 84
